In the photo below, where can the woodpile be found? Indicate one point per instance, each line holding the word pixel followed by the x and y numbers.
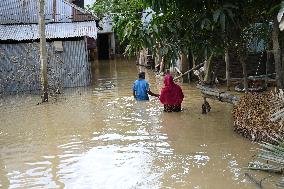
pixel 253 116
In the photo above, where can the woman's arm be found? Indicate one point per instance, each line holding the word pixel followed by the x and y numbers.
pixel 153 94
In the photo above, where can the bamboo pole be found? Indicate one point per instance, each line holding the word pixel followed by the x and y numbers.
pixel 267 68
pixel 241 58
pixel 177 70
pixel 43 57
pixel 227 60
pixel 192 69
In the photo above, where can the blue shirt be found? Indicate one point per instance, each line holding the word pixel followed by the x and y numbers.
pixel 141 88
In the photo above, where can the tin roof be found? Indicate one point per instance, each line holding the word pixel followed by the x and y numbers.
pixel 54 30
pixel 26 12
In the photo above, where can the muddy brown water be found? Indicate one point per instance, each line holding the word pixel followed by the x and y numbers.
pixel 99 137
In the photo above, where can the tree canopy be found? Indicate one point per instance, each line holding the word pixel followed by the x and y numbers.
pixel 203 27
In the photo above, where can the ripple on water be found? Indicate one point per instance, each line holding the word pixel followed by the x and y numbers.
pixel 100 137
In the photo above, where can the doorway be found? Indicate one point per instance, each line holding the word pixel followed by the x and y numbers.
pixel 103 46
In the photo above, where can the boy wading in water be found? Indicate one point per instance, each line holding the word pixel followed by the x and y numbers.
pixel 141 88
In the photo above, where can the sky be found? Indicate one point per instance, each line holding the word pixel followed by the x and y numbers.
pixel 89 2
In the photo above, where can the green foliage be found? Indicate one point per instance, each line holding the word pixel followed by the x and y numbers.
pixel 126 16
pixel 197 26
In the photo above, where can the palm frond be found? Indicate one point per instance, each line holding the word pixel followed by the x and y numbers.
pixel 270 158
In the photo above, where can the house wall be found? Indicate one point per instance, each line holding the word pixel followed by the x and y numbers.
pixel 20 66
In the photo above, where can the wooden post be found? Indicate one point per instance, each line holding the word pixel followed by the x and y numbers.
pixel 267 68
pixel 227 60
pixel 54 11
pixel 43 57
pixel 241 58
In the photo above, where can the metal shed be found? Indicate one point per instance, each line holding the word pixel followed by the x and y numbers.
pixel 68 64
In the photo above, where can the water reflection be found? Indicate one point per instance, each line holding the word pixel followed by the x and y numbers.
pixel 100 137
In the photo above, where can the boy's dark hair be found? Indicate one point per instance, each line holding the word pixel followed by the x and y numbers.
pixel 141 75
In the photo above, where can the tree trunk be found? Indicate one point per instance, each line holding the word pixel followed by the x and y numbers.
pixel 137 57
pixel 145 53
pixel 216 94
pixel 162 65
pixel 208 70
pixel 43 57
pixel 140 62
pixel 190 66
pixel 157 62
pixel 227 60
pixel 184 67
pixel 194 59
pixel 241 58
pixel 277 55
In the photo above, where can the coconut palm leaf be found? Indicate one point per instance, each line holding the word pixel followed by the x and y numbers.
pixel 270 158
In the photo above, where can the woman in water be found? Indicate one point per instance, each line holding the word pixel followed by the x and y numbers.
pixel 171 95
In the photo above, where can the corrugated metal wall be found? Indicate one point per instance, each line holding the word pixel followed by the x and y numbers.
pixel 20 32
pixel 26 11
pixel 20 66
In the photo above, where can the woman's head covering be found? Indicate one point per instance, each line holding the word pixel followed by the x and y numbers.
pixel 171 93
pixel 168 80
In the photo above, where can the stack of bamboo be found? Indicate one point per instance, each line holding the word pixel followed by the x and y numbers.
pixel 252 117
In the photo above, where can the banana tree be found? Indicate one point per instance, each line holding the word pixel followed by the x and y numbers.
pixel 224 17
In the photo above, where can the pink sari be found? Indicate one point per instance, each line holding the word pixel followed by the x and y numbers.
pixel 171 94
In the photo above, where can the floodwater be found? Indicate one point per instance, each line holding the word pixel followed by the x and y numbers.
pixel 99 137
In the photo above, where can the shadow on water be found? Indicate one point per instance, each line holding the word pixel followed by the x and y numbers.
pixel 100 137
